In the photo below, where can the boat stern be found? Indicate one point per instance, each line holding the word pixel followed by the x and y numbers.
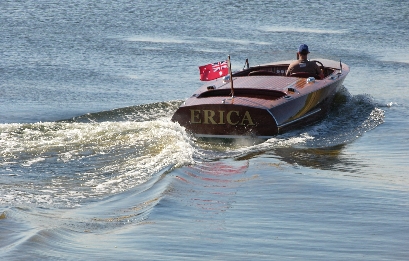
pixel 226 121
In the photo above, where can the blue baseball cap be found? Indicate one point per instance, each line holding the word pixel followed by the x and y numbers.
pixel 303 49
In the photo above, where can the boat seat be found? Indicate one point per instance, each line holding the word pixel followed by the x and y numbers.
pixel 261 72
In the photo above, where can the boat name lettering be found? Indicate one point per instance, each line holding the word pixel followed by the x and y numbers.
pixel 220 117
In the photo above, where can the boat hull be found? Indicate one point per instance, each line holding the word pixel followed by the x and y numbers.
pixel 306 109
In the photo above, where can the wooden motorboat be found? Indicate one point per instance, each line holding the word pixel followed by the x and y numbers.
pixel 262 102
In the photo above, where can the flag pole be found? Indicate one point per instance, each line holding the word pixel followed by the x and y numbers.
pixel 231 78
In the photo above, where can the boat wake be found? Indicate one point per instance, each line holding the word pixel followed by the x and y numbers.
pixel 349 118
pixel 71 162
pixel 139 113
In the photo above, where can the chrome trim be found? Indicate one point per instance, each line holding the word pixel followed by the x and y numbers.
pixel 272 115
pixel 310 80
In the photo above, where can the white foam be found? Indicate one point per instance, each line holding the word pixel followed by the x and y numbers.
pixel 166 147
pixel 390 104
pixel 241 148
pixel 32 161
pixel 122 155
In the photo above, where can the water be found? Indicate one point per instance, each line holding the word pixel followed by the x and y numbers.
pixel 92 168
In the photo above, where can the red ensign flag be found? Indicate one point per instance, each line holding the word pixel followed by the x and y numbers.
pixel 213 71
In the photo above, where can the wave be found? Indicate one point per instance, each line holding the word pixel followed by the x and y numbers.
pixel 235 41
pixel 70 162
pixel 350 117
pixel 139 113
pixel 158 39
pixel 279 29
pixel 189 40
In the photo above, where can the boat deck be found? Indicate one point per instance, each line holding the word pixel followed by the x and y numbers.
pixel 259 91
pixel 262 86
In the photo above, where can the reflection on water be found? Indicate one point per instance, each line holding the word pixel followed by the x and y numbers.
pixel 213 183
pixel 330 158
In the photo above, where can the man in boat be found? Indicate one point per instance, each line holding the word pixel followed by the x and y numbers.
pixel 302 65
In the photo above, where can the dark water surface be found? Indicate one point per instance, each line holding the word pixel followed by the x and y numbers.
pixel 92 168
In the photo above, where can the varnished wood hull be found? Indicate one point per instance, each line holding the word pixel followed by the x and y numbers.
pixel 263 105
